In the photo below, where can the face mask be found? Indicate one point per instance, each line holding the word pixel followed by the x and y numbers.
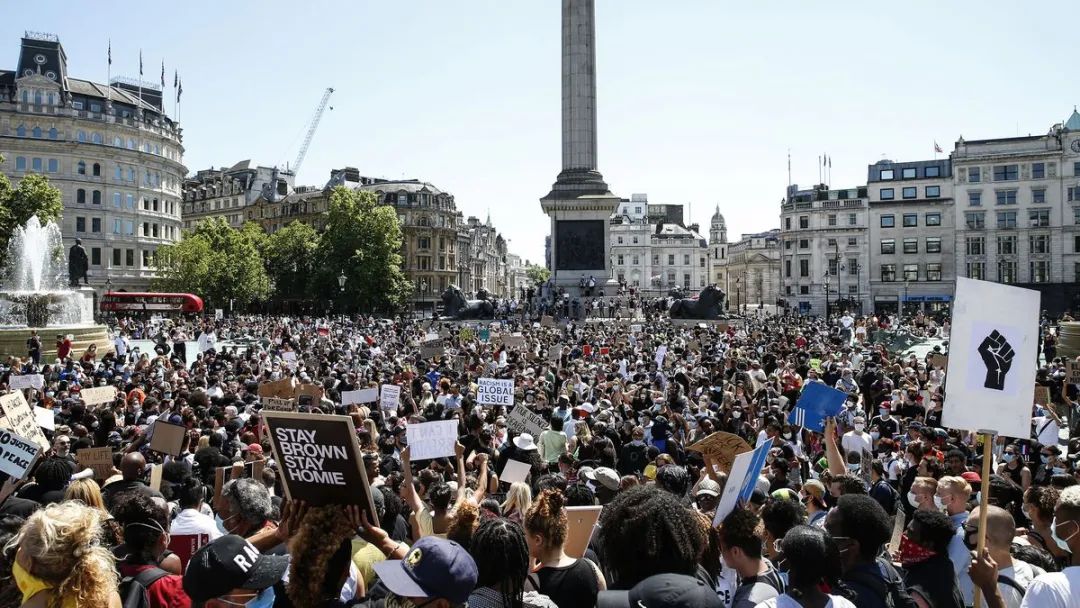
pixel 1007 457
pixel 265 599
pixel 1043 458
pixel 854 466
pixel 859 426
pixel 885 414
pixel 913 553
pixel 1058 470
pixel 787 435
pixel 875 435
pixel 978 497
pixel 736 414
pixel 220 523
pixel 1062 543
pixel 938 504
pixel 912 499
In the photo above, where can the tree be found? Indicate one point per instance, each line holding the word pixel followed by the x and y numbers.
pixel 289 255
pixel 215 262
pixel 537 274
pixel 33 196
pixel 362 240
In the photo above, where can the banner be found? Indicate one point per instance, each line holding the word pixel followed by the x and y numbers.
pixel 19 418
pixel 495 391
pixel 167 438
pixel 816 403
pixel 523 420
pixel 100 394
pixel 722 447
pixel 98 459
pixel 429 440
pixel 17 454
pixel 741 481
pixel 26 381
pixel 992 349
pixel 320 459
pixel 364 395
pixel 390 396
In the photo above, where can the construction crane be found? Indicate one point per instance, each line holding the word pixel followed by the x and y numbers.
pixel 311 131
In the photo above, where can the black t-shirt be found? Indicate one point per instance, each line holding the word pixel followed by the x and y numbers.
pixel 41 495
pixel 887 428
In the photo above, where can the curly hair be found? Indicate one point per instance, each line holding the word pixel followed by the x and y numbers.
pixel 861 518
pixel 502 559
pixel 934 529
pixel 1043 499
pixel 319 538
pixel 547 517
pixel 465 521
pixel 779 516
pixel 740 529
pixel 64 542
pixel 646 531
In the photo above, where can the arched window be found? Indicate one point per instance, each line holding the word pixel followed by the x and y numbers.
pixel 37 96
pixel 118 142
pixel 25 96
pixel 81 168
pixel 97 170
pixel 97 197
pixel 53 133
pixel 20 131
pixel 82 136
pixel 51 97
pixel 36 132
pixel 96 137
pixel 80 196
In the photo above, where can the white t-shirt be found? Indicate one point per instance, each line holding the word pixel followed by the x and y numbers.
pixel 856 442
pixel 1047 429
pixel 1054 590
pixel 785 601
pixel 1021 572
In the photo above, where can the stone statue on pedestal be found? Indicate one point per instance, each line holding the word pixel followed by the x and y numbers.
pixel 78 265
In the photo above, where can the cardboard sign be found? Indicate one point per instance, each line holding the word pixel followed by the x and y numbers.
pixel 722 447
pixel 939 361
pixel 364 395
pixel 431 351
pixel 155 477
pixel 995 330
pixel 513 341
pixel 580 526
pixel 429 440
pixel 281 389
pixel 523 420
pixel 722 327
pixel 17 454
pixel 20 419
pixel 466 334
pixel 310 390
pixel 100 394
pixel 320 459
pixel 389 397
pixel 167 438
pixel 1072 371
pixel 45 418
pixel 98 459
pixel 26 381
pixel 495 391
pixel 1042 395
pixel 515 471
pixel 275 404
pixel 547 321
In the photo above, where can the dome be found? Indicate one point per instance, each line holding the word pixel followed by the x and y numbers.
pixel 717 218
pixel 1073 124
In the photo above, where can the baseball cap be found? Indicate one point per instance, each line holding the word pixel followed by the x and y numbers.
pixel 663 591
pixel 434 568
pixel 708 487
pixel 814 488
pixel 228 563
pixel 971 477
pixel 255 448
pixel 604 476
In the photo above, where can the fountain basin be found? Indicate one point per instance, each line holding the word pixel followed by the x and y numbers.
pixel 13 340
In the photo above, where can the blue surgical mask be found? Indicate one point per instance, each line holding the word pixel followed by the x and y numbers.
pixel 1044 458
pixel 1007 457
pixel 1062 543
pixel 220 523
pixel 854 466
pixel 1058 470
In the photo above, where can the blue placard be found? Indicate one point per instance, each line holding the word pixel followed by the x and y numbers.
pixel 757 462
pixel 816 403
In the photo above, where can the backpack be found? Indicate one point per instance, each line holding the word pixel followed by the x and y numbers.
pixel 133 589
pixel 890 502
pixel 889 587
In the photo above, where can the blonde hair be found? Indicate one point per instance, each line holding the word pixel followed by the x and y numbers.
pixel 64 542
pixel 369 424
pixel 85 490
pixel 925 482
pixel 519 498
pixel 957 486
pixel 204 441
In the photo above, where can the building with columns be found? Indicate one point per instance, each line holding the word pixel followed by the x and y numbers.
pixel 227 192
pixel 753 270
pixel 654 250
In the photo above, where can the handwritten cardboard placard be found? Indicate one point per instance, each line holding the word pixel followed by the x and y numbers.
pixel 513 341
pixel 523 420
pixel 19 418
pixel 364 395
pixel 17 454
pixel 722 447
pixel 310 390
pixel 98 459
pixel 939 361
pixel 26 381
pixel 281 389
pixel 389 397
pixel 429 440
pixel 99 394
pixel 275 404
pixel 1042 395
pixel 167 438
pixel 495 391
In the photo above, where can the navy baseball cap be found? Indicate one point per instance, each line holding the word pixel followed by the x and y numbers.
pixel 228 563
pixel 433 568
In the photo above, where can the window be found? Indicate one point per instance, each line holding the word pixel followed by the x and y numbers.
pixel 35 163
pixel 787 220
pixel 97 197
pixel 130 201
pixel 933 192
pixel 20 130
pixel 911 245
pixel 888 221
pixel 975 198
pixel 1006 173
pixel 20 164
pixel 116 253
pixel 671 259
pixel 1038 243
pixel 975 220
pixel 80 196
pixel 118 142
pixel 1039 217
pixel 619 240
pixel 701 262
pixel 1006 271
pixel 888 246
pixel 932 171
pixel 95 224
pixel 787 268
pixel 117 225
pixel 908 173
pixel 1038 170
pixel 131 174
pixel 81 136
pixel 1040 271
pixel 54 165
pixel 911 220
pixel 976 270
pixel 1076 215
pixel 933 272
pixel 804 268
pixel 1005 197
pixel 933 245
pixel 96 138
pixel 635 240
pixel 887 194
pixel 933 219
pixel 833 265
pixel 975 245
pixel 637 260
pixel 831 243
pixel 1006 245
pixel 117 200
pixel 911 272
pixel 974 175
pixel 1006 219
pixel 129 257
pixel 686 259
pixel 804 244
pixel 620 260
pixel 146 258
pixel 852 219
pixel 853 267
pixel 53 133
pixel 97 170
pixel 80 167
pixel 832 219
pixel 1076 168
pixel 95 256
pixel 887 174
pixel 1038 195
pixel 804 222
pixel 888 273
pixel 852 241
pixel 80 224
pixel 36 132
pixel 910 192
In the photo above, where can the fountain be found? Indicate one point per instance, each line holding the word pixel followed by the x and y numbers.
pixel 35 296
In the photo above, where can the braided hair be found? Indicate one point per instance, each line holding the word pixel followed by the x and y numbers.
pixel 812 558
pixel 502 559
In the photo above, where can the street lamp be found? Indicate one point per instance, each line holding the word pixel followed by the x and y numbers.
pixel 341 281
pixel 738 294
pixel 421 289
pixel 825 282
pixel 904 301
pixel 108 285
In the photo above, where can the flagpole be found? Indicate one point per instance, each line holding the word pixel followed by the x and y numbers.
pixel 108 80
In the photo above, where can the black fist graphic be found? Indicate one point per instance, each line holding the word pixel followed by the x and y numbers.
pixel 997 355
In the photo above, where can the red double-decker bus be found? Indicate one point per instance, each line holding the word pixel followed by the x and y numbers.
pixel 164 303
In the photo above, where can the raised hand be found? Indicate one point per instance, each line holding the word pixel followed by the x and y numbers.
pixel 997 355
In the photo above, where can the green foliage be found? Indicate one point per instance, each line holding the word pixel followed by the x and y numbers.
pixel 537 274
pixel 33 196
pixel 215 262
pixel 289 255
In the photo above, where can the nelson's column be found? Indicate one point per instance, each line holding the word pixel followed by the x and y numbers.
pixel 579 203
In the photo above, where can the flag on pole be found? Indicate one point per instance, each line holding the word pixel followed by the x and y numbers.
pixel 110 51
pixel 140 64
pixel 937 148
pixel 830 164
pixel 175 78
pixel 163 74
pixel 179 90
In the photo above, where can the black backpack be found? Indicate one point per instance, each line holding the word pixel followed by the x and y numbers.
pixel 889 587
pixel 133 589
pixel 891 502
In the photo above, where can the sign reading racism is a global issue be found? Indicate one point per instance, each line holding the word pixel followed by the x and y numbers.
pixel 495 391
pixel 320 459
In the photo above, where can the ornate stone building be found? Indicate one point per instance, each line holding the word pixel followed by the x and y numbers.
pixel 228 192
pixel 754 270
pixel 111 150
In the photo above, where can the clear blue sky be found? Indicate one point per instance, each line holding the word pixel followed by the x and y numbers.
pixel 699 101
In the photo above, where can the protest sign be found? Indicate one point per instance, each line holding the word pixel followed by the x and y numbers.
pixel 1042 395
pixel 635 328
pixel 661 352
pixel 741 480
pixel 555 353
pixel 722 447
pixel 364 395
pixel 429 440
pixel 484 334
pixel 1072 371
pixel 722 327
pixel 100 394
pixel 320 459
pixel 290 359
pixel 310 393
pixel 389 397
pixel 495 391
pixel 586 350
pixel 45 418
pixel 219 314
pixel 515 470
pixel 580 525
pixel 281 389
pixel 522 420
pixel 17 453
pixel 19 417
pixel 155 477
pixel 431 351
pixel 939 361
pixel 274 404
pixel 816 403
pixel 995 330
pixel 547 321
pixel 432 336
pixel 167 438
pixel 26 381
pixel 466 334
pixel 513 341
pixel 98 459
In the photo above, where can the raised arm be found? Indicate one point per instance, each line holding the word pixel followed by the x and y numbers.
pixel 462 490
pixel 832 451
pixel 411 497
pixel 482 478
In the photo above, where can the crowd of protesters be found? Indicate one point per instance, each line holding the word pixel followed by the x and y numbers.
pixel 880 510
